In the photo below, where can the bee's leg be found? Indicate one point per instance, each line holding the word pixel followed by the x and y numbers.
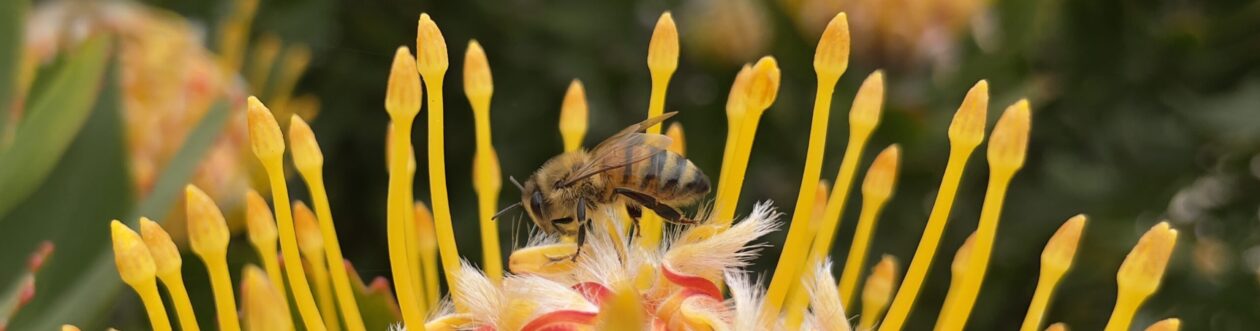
pixel 581 241
pixel 666 212
pixel 583 223
pixel 636 213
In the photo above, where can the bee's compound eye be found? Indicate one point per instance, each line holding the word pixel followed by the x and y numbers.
pixel 536 203
pixel 562 221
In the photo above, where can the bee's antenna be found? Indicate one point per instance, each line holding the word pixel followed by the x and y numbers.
pixel 504 210
pixel 518 184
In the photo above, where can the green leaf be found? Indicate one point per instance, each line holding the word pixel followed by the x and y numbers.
pixel 87 188
pixel 12 22
pixel 52 122
pixel 91 284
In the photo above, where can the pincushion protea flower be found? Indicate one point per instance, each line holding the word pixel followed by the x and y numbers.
pixel 618 282
pixel 170 82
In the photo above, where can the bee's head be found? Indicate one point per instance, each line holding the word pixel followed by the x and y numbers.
pixel 547 214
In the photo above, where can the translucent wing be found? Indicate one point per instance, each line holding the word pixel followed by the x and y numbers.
pixel 626 147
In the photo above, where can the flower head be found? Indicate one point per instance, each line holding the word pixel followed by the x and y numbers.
pixel 609 277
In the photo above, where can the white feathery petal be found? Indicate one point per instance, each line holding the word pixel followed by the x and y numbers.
pixel 548 295
pixel 824 299
pixel 746 300
pixel 600 261
pixel 478 294
pixel 728 249
pixel 445 307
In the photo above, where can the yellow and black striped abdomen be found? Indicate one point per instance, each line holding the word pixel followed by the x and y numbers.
pixel 670 178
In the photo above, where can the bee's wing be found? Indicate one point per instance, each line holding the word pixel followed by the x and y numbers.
pixel 637 127
pixel 625 147
pixel 613 154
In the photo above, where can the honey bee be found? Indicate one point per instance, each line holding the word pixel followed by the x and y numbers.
pixel 631 167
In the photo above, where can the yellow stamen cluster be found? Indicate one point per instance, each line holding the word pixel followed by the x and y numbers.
pixel 662 61
pixel 265 51
pixel 681 277
pixel 135 265
pixel 798 299
pixel 402 101
pixel 263 303
pixel 1056 259
pixel 167 263
pixel 878 291
pixel 427 254
pixel 965 133
pixel 309 160
pixel 1006 155
pixel 311 245
pixel 957 272
pixel 234 34
pixel 877 188
pixel 268 146
pixel 208 236
pixel 1141 273
pixel 487 178
pixel 753 93
pixel 830 61
pixel 432 63
pixel 261 225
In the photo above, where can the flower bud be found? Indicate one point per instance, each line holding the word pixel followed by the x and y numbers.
pixel 131 256
pixel 431 57
pixel 573 116
pixel 1009 142
pixel 831 58
pixel 882 176
pixel 763 87
pixel 165 255
pixel 967 128
pixel 310 240
pixel 662 59
pixel 477 79
pixel 867 105
pixel 1144 268
pixel 207 229
pixel 880 285
pixel 260 222
pixel 737 101
pixel 1061 249
pixel 306 153
pixel 262 306
pixel 403 94
pixel 264 132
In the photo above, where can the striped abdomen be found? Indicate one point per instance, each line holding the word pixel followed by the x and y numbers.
pixel 669 177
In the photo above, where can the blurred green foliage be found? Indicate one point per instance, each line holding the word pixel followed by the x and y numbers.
pixel 1142 111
